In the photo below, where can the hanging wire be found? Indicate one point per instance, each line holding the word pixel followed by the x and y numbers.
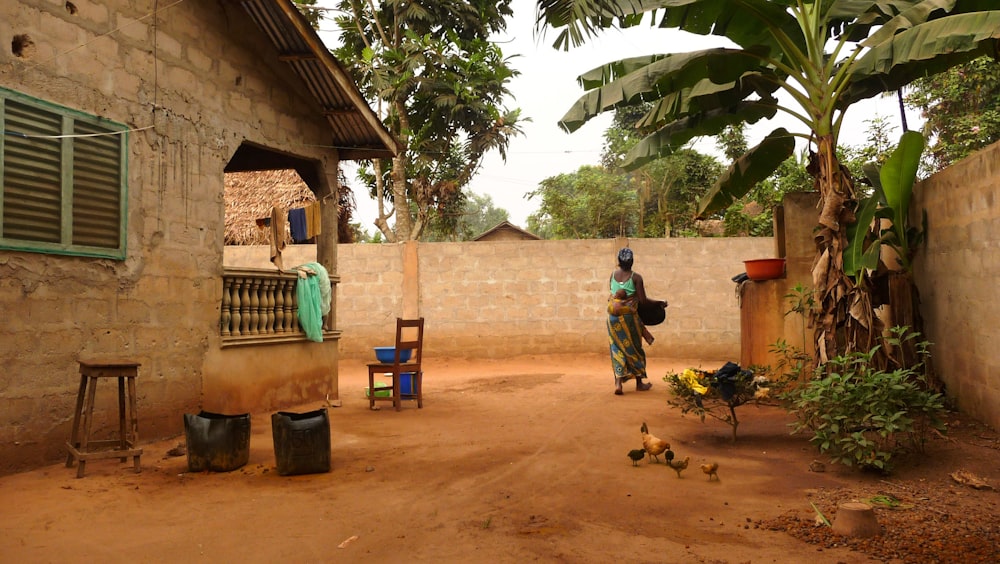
pixel 74 135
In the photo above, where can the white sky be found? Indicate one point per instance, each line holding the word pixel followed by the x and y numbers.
pixel 547 88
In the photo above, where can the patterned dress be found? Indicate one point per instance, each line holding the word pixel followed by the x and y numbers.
pixel 625 334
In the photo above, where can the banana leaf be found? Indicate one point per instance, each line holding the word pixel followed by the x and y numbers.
pixel 922 50
pixel 856 257
pixel 632 81
pixel 673 136
pixel 756 165
pixel 899 173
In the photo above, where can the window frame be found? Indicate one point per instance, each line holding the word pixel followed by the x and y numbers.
pixel 67 189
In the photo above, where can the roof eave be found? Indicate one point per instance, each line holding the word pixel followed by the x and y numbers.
pixel 385 144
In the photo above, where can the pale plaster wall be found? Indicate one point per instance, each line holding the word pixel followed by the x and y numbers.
pixel 502 298
pixel 207 80
pixel 956 272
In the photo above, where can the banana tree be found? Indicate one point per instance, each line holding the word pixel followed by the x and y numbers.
pixel 892 185
pixel 882 243
pixel 819 55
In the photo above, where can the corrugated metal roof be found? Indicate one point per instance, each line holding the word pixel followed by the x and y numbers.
pixel 508 226
pixel 357 131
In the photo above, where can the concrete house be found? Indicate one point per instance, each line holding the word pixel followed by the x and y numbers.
pixel 119 121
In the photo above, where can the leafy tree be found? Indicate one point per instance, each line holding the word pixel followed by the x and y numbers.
pixel 961 109
pixel 679 182
pixel 590 203
pixel 733 140
pixel 361 235
pixel 876 149
pixel 313 16
pixel 440 85
pixel 823 55
pixel 667 189
pixel 540 226
pixel 478 215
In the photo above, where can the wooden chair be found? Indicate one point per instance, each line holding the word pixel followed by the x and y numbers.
pixel 396 369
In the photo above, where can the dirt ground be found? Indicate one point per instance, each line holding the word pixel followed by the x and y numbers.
pixel 511 461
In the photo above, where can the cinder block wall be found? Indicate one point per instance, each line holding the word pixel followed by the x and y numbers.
pixel 503 298
pixel 957 271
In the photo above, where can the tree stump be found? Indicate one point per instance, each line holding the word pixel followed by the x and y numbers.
pixel 855 519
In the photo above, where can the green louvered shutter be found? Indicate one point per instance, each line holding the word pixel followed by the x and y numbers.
pixel 96 187
pixel 62 179
pixel 32 184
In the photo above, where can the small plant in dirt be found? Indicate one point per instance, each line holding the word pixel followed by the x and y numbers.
pixel 717 394
pixel 864 416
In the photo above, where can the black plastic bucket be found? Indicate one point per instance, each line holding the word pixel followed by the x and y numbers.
pixel 301 442
pixel 217 442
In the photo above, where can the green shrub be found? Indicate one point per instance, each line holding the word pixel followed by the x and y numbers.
pixel 863 416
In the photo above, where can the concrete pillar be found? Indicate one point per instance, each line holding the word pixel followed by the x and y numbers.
pixel 411 280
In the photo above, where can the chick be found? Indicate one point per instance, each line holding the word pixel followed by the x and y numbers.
pixel 679 465
pixel 654 446
pixel 636 455
pixel 711 469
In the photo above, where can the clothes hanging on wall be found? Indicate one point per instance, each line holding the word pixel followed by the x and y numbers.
pixel 278 220
pixel 314 221
pixel 313 292
pixel 304 224
pixel 297 223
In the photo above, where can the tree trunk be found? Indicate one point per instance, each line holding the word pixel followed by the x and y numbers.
pixel 904 307
pixel 844 319
pixel 382 221
pixel 400 203
pixel 400 196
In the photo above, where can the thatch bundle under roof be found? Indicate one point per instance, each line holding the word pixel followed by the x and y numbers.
pixel 251 195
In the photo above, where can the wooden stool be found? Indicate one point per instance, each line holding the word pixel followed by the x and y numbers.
pixel 80 446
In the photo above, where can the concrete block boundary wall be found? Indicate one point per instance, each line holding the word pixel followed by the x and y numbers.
pixel 509 298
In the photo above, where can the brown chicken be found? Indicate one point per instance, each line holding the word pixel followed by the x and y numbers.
pixel 679 465
pixel 711 469
pixel 654 446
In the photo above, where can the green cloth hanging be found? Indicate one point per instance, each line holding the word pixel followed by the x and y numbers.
pixel 311 296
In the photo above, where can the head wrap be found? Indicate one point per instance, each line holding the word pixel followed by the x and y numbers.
pixel 625 257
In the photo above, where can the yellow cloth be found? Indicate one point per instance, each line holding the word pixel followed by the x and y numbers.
pixel 314 221
pixel 691 380
pixel 279 221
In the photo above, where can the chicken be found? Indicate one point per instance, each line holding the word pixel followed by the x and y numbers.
pixel 711 469
pixel 679 465
pixel 654 446
pixel 636 455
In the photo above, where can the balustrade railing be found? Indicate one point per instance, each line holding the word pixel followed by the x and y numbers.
pixel 259 306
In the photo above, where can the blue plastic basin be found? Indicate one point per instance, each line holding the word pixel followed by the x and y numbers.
pixel 388 354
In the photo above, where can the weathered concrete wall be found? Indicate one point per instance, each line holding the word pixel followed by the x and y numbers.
pixel 957 271
pixel 206 80
pixel 765 304
pixel 503 298
pixel 269 377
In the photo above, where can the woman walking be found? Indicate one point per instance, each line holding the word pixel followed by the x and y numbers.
pixel 625 329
